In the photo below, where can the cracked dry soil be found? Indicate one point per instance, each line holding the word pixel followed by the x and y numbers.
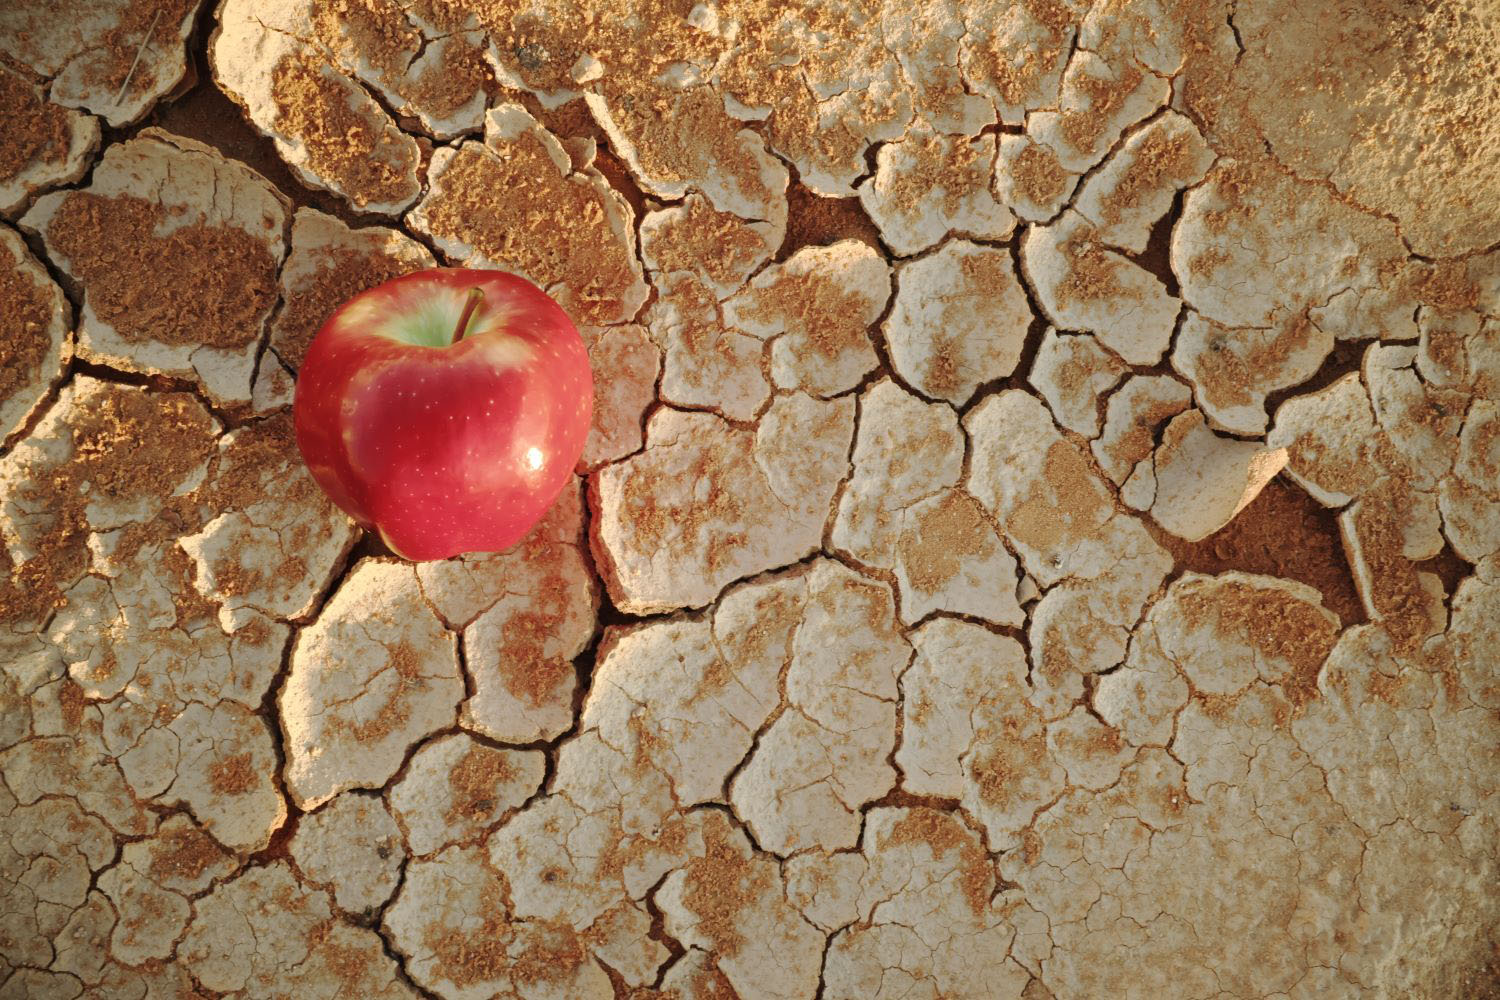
pixel 1038 537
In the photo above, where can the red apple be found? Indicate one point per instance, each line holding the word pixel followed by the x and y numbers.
pixel 445 409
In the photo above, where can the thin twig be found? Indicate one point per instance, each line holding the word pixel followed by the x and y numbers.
pixel 137 61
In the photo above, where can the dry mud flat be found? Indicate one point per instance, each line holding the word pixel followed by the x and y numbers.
pixel 1040 535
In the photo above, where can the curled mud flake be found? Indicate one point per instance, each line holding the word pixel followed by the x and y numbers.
pixel 960 319
pixel 926 897
pixel 114 59
pixel 705 362
pixel 34 334
pixel 816 308
pixel 828 753
pixel 730 902
pixel 1073 373
pixel 626 365
pixel 455 788
pixel 46 145
pixel 329 264
pixel 372 676
pixel 565 229
pixel 137 240
pixel 1135 412
pixel 353 846
pixel 1201 480
pixel 721 248
pixel 929 185
pixel 904 450
pixel 1332 441
pixel 705 503
pixel 1081 285
pixel 1254 247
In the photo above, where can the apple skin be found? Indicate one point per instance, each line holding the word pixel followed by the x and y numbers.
pixel 445 447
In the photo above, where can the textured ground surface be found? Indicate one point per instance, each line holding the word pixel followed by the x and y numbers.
pixel 1040 536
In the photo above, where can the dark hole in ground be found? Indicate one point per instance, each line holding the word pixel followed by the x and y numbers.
pixel 1286 533
pixel 813 220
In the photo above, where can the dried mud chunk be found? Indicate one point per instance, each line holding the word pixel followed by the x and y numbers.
pixel 675 139
pixel 452 924
pixel 706 503
pixel 353 846
pixel 1470 498
pixel 1091 752
pixel 928 185
pixel 1030 180
pixel 433 72
pixel 1082 285
pixel 373 675
pixel 730 902
pixel 1140 406
pixel 1200 481
pixel 565 229
pixel 1332 441
pixel 1234 370
pixel 49 852
pixel 960 319
pixel 706 363
pixel 1135 187
pixel 104 457
pixel 273 388
pixel 1100 98
pixel 816 308
pixel 1421 146
pixel 1015 53
pixel 1254 246
pixel 278 540
pixel 137 240
pixel 626 366
pixel 827 754
pixel 36 318
pixel 45 145
pixel 926 42
pixel 904 450
pixel 1385 531
pixel 329 264
pixel 1073 373
pixel 332 133
pixel 1008 771
pixel 960 672
pixel 115 59
pixel 721 248
pixel 456 787
pixel 925 899
pixel 526 613
pixel 149 888
pixel 1422 423
pixel 949 557
pixel 218 762
pixel 687 698
pixel 263 935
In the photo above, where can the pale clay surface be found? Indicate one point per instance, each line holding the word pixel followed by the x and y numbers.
pixel 853 662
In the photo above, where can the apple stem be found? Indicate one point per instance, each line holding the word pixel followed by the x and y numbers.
pixel 475 294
